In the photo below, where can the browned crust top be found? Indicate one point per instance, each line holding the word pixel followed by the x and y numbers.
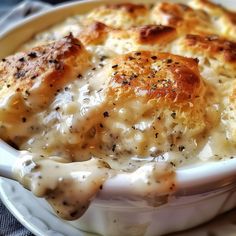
pixel 219 10
pixel 157 75
pixel 154 33
pixel 95 33
pixel 45 64
pixel 175 12
pixel 213 45
pixel 128 7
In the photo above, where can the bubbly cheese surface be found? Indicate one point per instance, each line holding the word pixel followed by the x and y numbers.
pixel 122 87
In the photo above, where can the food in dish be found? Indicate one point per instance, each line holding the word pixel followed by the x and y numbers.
pixel 125 88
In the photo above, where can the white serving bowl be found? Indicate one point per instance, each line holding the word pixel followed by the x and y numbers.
pixel 203 191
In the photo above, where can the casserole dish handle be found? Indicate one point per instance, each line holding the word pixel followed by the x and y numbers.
pixel 8 156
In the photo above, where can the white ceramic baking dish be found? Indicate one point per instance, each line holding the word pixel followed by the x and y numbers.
pixel 203 191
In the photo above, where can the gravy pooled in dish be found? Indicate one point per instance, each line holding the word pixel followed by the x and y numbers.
pixel 124 89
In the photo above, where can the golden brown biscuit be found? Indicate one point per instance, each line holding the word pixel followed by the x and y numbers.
pixel 95 33
pixel 223 19
pixel 214 46
pixel 153 102
pixel 151 34
pixel 163 91
pixel 30 80
pixel 146 37
pixel 123 15
pixel 164 76
pixel 181 16
pixel 220 52
pixel 40 72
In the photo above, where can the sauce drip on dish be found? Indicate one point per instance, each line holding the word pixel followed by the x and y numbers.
pixel 70 187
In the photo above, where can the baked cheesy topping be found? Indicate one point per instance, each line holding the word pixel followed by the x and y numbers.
pixel 124 89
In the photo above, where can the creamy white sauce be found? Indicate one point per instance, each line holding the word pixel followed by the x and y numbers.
pixel 70 187
pixel 78 149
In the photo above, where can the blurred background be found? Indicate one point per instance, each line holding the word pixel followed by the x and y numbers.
pixel 6 5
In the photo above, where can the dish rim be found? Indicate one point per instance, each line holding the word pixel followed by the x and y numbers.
pixel 191 180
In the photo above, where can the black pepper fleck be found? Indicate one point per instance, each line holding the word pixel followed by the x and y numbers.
pixel 32 54
pixel 22 59
pixel 196 59
pixel 33 77
pixel 102 58
pixel 124 82
pixel 79 76
pixel 23 119
pixel 172 163
pixel 181 148
pixel 65 203
pixel 173 115
pixel 114 66
pixel 105 114
pixel 114 147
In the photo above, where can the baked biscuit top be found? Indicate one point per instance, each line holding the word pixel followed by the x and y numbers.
pixel 30 80
pixel 122 15
pixel 38 73
pixel 126 80
pixel 164 76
